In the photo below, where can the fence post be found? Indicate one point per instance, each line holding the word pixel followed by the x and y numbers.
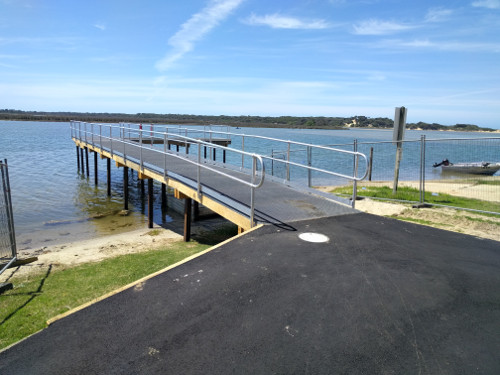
pixel 309 164
pixel 355 174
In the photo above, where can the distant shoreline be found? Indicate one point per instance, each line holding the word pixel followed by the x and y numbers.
pixel 285 122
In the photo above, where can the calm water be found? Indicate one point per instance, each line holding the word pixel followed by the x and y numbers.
pixel 53 203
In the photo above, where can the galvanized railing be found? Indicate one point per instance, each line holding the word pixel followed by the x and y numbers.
pixel 340 163
pixel 114 138
pixel 8 251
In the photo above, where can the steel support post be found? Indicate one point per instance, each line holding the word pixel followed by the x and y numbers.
pixel 108 175
pixel 96 178
pixel 150 202
pixel 187 219
pixel 125 188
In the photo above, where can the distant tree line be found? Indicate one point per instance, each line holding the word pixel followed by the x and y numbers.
pixel 320 122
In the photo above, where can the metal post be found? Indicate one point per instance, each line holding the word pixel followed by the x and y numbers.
pixel 82 160
pixel 422 169
pixel 288 162
pixel 140 150
pixel 309 164
pixel 187 219
pixel 78 158
pixel 150 202
pixel 87 160
pixel 108 174
pixel 198 171
pixel 242 149
pixel 163 197
pixel 355 175
pixel 370 165
pixel 165 142
pixel 125 188
pixel 252 192
pixel 96 181
pixel 8 204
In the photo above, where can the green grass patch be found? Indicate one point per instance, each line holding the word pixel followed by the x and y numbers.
pixel 25 309
pixel 412 194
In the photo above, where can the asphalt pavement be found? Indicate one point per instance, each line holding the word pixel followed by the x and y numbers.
pixel 380 296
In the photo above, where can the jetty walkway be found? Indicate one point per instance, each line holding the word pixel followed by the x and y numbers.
pixel 234 186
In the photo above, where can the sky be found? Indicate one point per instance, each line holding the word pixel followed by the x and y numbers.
pixel 440 59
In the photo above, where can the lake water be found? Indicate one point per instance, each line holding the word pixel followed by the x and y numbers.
pixel 53 203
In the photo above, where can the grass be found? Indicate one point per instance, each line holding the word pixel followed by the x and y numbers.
pixel 25 309
pixel 412 194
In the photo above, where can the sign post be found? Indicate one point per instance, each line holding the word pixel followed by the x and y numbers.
pixel 397 137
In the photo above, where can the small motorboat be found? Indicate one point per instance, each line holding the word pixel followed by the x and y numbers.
pixel 481 167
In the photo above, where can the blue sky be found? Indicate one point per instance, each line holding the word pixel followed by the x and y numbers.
pixel 440 59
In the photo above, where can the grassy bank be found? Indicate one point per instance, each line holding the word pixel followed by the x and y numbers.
pixel 413 195
pixel 25 309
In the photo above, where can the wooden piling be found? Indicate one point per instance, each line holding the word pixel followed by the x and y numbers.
pixel 150 203
pixel 125 188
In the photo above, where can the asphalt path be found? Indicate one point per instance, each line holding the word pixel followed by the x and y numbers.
pixel 379 297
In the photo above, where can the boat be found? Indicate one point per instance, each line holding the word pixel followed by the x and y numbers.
pixel 480 167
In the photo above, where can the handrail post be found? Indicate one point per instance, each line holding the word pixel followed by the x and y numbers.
pixel 100 137
pixel 111 139
pixel 422 169
pixel 199 170
pixel 242 149
pixel 92 133
pixel 309 164
pixel 122 132
pixel 165 156
pixel 140 151
pixel 288 162
pixel 252 191
pixel 355 181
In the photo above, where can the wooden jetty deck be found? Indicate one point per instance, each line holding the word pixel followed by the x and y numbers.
pixel 244 197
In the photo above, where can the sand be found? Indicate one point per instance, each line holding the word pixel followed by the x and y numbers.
pixel 92 250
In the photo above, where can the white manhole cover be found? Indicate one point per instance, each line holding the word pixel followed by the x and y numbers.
pixel 313 237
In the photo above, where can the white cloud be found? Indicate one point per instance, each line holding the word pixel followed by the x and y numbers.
pixel 437 14
pixel 277 21
pixel 195 29
pixel 442 46
pixel 100 26
pixel 377 27
pixel 490 4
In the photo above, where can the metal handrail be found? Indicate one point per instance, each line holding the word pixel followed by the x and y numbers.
pixel 257 159
pixel 356 154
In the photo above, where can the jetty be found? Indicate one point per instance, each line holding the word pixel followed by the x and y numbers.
pixel 234 184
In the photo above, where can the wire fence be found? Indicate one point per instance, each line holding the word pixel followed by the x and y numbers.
pixel 471 170
pixel 8 251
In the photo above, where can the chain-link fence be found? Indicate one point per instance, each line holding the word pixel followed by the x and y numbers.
pixel 7 234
